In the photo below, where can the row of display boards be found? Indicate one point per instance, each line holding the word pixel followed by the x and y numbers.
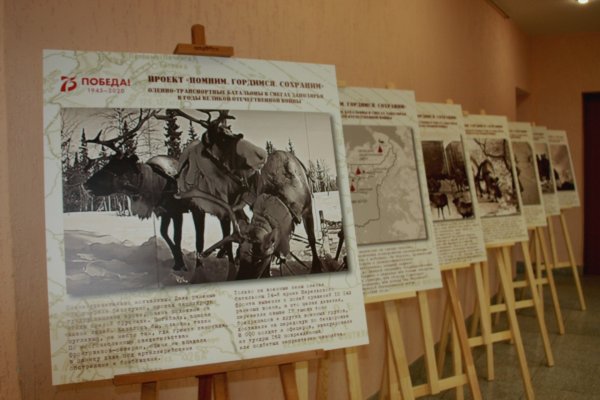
pixel 403 194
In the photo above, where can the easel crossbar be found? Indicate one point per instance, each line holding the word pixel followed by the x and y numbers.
pixel 211 369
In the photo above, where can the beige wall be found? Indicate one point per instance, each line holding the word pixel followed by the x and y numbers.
pixel 563 67
pixel 459 49
pixel 9 384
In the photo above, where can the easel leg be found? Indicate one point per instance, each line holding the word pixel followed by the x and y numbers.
pixel 287 374
pixel 475 319
pixel 507 289
pixel 443 346
pixel 353 373
pixel 428 344
pixel 323 377
pixel 536 261
pixel 486 320
pixel 149 391
pixel 567 236
pixel 459 319
pixel 220 387
pixel 551 282
pixel 394 330
pixel 537 304
pixel 393 387
pixel 301 370
pixel 457 362
pixel 205 384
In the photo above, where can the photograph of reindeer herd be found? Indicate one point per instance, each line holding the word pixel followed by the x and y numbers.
pixel 447 181
pixel 160 197
pixel 492 171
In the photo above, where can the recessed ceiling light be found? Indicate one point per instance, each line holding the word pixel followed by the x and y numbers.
pixel 582 1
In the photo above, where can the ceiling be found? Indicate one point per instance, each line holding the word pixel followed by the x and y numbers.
pixel 538 17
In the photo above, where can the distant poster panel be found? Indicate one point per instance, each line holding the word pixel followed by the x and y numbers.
pixel 562 165
pixel 521 138
pixel 452 198
pixel 195 214
pixel 544 167
pixel 495 178
pixel 388 190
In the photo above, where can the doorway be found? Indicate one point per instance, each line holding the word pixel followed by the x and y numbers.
pixel 591 168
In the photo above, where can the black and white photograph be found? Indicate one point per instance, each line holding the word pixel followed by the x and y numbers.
pixel 160 197
pixel 527 181
pixel 494 182
pixel 563 175
pixel 447 180
pixel 542 158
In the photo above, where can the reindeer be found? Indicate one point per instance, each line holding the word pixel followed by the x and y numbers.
pixel 486 174
pixel 464 206
pixel 219 170
pixel 439 200
pixel 284 199
pixel 150 186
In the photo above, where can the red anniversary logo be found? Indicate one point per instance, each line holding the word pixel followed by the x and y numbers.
pixel 68 84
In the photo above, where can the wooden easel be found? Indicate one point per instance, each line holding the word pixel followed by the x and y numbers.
pixel 212 379
pixel 541 260
pixel 397 380
pixel 571 263
pixel 501 254
pixel 485 310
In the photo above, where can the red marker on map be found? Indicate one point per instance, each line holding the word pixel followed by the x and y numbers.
pixel 358 172
pixel 380 150
pixel 352 188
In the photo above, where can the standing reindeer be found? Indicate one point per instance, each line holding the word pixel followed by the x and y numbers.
pixel 150 186
pixel 284 200
pixel 487 175
pixel 439 201
pixel 219 170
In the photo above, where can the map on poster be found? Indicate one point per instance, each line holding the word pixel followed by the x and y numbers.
pixel 383 168
pixel 452 196
pixel 562 169
pixel 521 140
pixel 388 190
pixel 544 167
pixel 198 211
pixel 495 177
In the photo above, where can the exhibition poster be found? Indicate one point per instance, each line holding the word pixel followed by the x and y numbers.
pixel 562 168
pixel 495 178
pixel 544 167
pixel 198 211
pixel 458 231
pixel 521 140
pixel 396 241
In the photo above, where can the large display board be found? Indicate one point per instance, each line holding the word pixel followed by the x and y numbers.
pixel 521 140
pixel 562 168
pixel 215 145
pixel 389 194
pixel 458 231
pixel 544 166
pixel 495 177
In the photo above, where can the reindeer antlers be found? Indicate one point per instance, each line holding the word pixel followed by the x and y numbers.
pixel 115 144
pixel 223 115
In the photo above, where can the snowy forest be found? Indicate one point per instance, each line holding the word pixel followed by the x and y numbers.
pixel 148 132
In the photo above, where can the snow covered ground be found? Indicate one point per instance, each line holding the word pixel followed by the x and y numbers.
pixel 106 253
